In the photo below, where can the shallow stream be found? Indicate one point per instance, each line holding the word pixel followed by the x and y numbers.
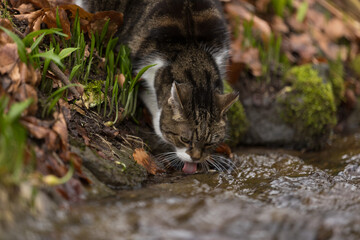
pixel 275 194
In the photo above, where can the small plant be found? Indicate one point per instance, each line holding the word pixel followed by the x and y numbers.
pixel 120 87
pixel 4 12
pixel 123 92
pixel 28 42
pixel 279 6
pixel 302 10
pixel 271 58
pixel 54 98
pixel 12 140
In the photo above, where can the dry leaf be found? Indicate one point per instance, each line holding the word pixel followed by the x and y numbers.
pixel 278 25
pixel 9 56
pixel 238 11
pixel 60 128
pixel 302 46
pixel 250 58
pixel 223 148
pixel 100 18
pixel 50 20
pixel 4 38
pixel 144 159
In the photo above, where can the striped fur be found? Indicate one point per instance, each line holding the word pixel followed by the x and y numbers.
pixel 188 40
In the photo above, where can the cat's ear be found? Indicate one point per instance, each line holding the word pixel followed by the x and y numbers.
pixel 225 101
pixel 177 100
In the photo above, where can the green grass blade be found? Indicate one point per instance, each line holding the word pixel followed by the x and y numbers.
pixel 104 31
pixel 49 55
pixel 58 22
pixel 141 72
pixel 74 71
pixel 37 42
pixel 17 108
pixel 301 13
pixel 66 52
pixel 28 40
pixel 54 98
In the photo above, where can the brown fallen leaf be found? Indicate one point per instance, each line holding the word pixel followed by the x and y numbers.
pixel 25 8
pixel 144 159
pixel 36 3
pixel 100 18
pixel 73 9
pixel 238 11
pixel 9 56
pixel 50 20
pixel 299 48
pixel 223 148
pixel 262 5
pixel 36 131
pixel 54 3
pixel 60 128
pixel 278 25
pixel 250 58
pixel 332 50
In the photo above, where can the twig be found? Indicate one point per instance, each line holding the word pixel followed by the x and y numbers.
pixel 20 34
pixel 63 78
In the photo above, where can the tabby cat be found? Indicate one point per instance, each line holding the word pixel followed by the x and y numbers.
pixel 188 42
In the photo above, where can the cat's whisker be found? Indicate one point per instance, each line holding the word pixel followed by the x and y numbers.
pixel 165 154
pixel 222 163
pixel 205 165
pixel 228 162
pixel 169 160
pixel 215 165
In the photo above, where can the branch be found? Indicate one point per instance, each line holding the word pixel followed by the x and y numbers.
pixel 63 78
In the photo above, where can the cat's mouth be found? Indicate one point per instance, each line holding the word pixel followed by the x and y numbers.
pixel 189 167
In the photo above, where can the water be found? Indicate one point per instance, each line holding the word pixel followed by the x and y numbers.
pixel 274 194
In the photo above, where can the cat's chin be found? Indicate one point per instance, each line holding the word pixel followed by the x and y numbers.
pixel 189 168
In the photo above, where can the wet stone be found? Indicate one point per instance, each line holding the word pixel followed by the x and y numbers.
pixel 270 196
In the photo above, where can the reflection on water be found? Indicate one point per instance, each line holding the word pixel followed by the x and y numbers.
pixel 272 195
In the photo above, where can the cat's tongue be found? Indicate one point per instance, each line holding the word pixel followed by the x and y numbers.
pixel 189 168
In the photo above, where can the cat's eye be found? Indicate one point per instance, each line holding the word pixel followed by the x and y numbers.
pixel 184 140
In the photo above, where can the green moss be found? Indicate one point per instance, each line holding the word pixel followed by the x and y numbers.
pixel 309 103
pixel 238 123
pixel 337 81
pixel 355 65
pixel 93 93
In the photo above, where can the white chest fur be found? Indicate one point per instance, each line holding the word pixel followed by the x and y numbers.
pixel 148 96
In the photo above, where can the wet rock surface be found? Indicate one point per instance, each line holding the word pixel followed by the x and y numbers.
pixel 272 195
pixel 121 172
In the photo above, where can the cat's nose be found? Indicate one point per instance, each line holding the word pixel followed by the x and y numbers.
pixel 195 154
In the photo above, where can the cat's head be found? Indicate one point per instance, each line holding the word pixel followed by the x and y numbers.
pixel 194 120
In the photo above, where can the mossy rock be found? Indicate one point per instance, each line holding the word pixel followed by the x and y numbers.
pixel 337 81
pixel 355 65
pixel 238 123
pixel 308 106
pixel 93 95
